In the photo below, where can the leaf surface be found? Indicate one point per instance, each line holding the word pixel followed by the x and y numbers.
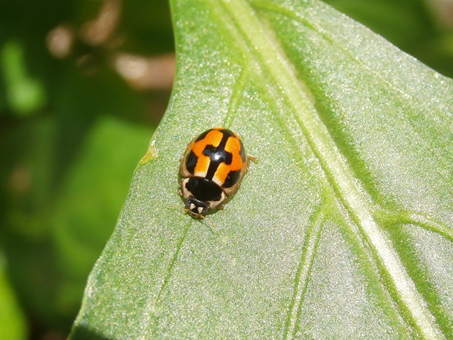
pixel 342 230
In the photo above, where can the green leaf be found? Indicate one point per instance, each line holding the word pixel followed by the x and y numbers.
pixel 88 204
pixel 342 230
pixel 24 93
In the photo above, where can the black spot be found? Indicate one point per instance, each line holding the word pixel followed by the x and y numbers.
pixel 191 161
pixel 204 189
pixel 232 178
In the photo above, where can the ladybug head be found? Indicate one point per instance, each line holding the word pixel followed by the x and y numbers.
pixel 196 207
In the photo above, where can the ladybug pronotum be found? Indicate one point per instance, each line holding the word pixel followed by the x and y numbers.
pixel 212 169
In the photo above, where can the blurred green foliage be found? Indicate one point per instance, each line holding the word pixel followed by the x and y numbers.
pixel 422 28
pixel 11 317
pixel 72 130
pixel 71 133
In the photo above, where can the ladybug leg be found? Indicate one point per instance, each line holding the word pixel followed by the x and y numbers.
pixel 251 158
pixel 180 189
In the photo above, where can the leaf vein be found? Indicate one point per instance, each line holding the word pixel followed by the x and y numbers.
pixel 272 59
pixel 302 276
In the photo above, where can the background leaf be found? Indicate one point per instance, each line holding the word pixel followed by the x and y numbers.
pixel 421 28
pixel 68 111
pixel 343 229
pixel 12 320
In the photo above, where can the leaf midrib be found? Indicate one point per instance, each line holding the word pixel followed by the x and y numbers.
pixel 271 58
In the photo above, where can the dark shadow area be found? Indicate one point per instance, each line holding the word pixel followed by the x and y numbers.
pixel 83 333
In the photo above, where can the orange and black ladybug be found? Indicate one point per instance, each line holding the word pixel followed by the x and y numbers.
pixel 212 169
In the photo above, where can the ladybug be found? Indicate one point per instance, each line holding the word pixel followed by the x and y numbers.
pixel 212 169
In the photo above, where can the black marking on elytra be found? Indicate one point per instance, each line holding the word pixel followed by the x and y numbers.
pixel 232 178
pixel 218 155
pixel 191 162
pixel 231 134
pixel 243 156
pixel 204 189
pixel 203 135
